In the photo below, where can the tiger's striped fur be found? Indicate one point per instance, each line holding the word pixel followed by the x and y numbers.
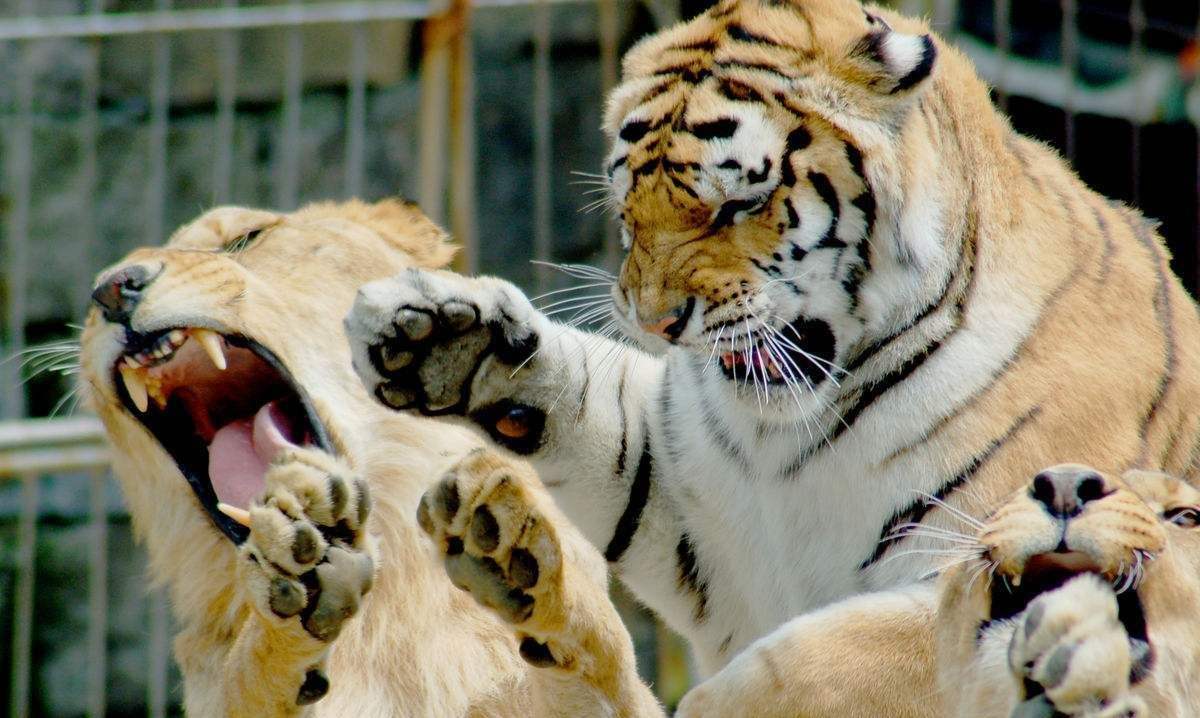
pixel 810 175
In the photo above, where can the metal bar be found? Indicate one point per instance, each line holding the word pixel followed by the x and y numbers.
pixel 435 112
pixel 39 432
pixel 543 232
pixel 89 137
pixel 462 137
pixel 288 159
pixel 59 458
pixel 19 170
pixel 160 107
pixel 226 18
pixel 609 61
pixel 228 49
pixel 945 16
pixel 22 638
pixel 1002 25
pixel 1070 61
pixel 356 111
pixel 97 632
pixel 1137 27
pixel 159 655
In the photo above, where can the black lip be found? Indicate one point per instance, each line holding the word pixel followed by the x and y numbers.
pixel 814 336
pixel 177 446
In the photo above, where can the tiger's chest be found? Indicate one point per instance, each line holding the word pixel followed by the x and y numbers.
pixel 782 521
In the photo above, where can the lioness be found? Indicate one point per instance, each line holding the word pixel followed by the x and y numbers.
pixel 219 368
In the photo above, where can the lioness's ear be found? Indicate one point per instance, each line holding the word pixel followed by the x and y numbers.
pixel 404 224
pixel 891 62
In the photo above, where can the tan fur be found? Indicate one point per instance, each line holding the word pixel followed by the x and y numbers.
pixel 418 647
pixel 926 657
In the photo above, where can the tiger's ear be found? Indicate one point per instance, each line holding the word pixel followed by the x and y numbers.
pixel 891 62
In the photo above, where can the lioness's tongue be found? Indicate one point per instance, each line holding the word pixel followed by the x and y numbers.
pixel 240 451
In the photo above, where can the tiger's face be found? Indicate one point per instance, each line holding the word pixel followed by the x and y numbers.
pixel 751 162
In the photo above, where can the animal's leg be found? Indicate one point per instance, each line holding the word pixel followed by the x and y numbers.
pixel 506 543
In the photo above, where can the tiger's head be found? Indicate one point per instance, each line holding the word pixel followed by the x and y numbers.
pixel 758 165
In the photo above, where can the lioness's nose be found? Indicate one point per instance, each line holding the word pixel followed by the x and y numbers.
pixel 119 292
pixel 1063 490
pixel 671 325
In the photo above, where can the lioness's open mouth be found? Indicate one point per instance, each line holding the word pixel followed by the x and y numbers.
pixel 223 407
pixel 1048 571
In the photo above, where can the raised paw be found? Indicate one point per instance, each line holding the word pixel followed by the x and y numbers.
pixel 420 338
pixel 1074 656
pixel 498 535
pixel 308 560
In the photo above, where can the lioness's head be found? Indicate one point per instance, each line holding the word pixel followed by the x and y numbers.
pixel 207 356
pixel 1138 532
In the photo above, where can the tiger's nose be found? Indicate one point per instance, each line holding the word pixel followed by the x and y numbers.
pixel 673 324
pixel 118 293
pixel 1064 490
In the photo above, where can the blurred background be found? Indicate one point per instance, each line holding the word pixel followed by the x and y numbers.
pixel 121 119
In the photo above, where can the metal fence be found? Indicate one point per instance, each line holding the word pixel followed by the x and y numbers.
pixel 445 167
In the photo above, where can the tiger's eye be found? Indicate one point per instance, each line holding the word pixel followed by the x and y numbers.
pixel 515 423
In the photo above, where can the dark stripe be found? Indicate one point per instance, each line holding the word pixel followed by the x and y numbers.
pixel 828 194
pixel 689 577
pixel 587 383
pixel 966 251
pixel 759 176
pixel 797 140
pixel 793 217
pixel 1110 247
pixel 707 45
pixel 737 32
pixel 1164 312
pixel 718 129
pixel 620 472
pixel 633 131
pixel 689 73
pixel 739 91
pixel 916 511
pixel 759 66
pixel 881 387
pixel 683 186
pixel 639 493
pixel 711 420
pixel 729 210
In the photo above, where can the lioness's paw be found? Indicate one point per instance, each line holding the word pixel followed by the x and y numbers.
pixel 308 560
pixel 1074 656
pixel 419 339
pixel 488 517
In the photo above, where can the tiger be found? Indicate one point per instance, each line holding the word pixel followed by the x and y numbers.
pixel 856 301
pixel 1076 597
pixel 275 499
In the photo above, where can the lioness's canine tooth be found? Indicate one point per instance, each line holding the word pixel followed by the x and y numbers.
pixel 136 386
pixel 242 516
pixel 210 341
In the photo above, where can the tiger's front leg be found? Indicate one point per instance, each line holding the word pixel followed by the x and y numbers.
pixel 577 406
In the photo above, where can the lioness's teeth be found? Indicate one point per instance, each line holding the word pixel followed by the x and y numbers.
pixel 136 386
pixel 210 341
pixel 1015 580
pixel 242 516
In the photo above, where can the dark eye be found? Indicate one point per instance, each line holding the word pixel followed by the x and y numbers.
pixel 1187 517
pixel 241 243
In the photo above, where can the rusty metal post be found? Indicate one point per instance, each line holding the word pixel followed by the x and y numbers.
pixel 462 137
